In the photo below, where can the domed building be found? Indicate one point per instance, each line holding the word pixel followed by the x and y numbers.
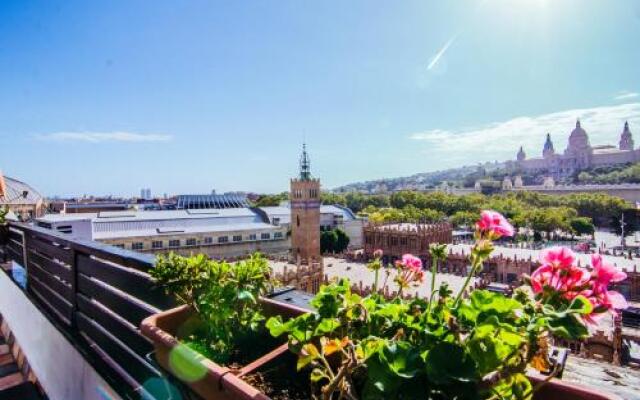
pixel 22 200
pixel 578 155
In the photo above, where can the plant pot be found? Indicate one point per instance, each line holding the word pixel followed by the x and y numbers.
pixel 560 390
pixel 218 382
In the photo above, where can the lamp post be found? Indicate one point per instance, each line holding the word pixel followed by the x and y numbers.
pixel 623 242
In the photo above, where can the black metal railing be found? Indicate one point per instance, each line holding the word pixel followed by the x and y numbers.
pixel 97 295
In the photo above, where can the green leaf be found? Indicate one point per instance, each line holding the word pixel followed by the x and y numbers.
pixel 401 358
pixel 568 327
pixel 308 354
pixel 275 326
pixel 447 363
pixel 327 325
pixel 246 295
pixel 317 374
pixel 581 305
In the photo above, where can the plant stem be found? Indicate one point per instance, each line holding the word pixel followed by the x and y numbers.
pixel 375 281
pixel 434 271
pixel 474 266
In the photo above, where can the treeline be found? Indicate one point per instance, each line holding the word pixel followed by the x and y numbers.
pixel 574 213
pixel 611 175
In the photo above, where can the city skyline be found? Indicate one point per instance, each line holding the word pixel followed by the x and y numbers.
pixel 200 96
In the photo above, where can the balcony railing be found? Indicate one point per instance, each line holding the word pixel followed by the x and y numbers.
pixel 96 295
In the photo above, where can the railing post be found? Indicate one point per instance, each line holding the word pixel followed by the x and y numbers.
pixel 74 285
pixel 25 258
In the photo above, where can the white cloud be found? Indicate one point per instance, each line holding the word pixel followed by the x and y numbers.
pixel 501 140
pixel 99 137
pixel 436 58
pixel 626 95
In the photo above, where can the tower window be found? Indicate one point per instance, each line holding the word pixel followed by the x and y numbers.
pixel 297 220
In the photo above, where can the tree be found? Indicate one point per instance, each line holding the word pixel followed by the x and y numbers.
pixel 464 218
pixel 328 241
pixel 271 200
pixel 582 226
pixel 342 241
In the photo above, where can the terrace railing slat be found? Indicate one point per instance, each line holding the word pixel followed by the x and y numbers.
pixel 121 329
pixel 137 367
pixel 52 267
pixel 51 282
pixel 52 251
pixel 51 300
pixel 132 282
pixel 120 303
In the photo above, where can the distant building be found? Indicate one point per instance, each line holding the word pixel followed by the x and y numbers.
pixel 578 155
pixel 397 239
pixel 218 233
pixel 305 213
pixel 22 200
pixel 331 217
pixel 205 201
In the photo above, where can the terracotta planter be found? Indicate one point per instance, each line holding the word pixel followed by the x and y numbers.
pixel 559 390
pixel 222 383
pixel 218 382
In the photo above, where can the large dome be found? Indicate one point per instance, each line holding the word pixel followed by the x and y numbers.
pixel 578 140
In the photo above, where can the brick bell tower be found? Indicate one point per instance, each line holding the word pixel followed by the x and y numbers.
pixel 305 213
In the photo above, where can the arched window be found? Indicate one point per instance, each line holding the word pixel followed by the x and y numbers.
pixel 297 220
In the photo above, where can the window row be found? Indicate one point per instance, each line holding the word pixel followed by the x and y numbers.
pixel 159 244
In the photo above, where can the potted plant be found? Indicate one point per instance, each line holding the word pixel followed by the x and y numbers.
pixel 481 345
pixel 216 339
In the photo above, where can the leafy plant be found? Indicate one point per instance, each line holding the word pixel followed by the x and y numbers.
pixel 474 346
pixel 3 213
pixel 225 296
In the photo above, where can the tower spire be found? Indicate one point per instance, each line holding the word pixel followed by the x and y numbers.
pixel 305 164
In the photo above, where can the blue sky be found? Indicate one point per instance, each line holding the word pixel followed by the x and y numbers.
pixel 108 97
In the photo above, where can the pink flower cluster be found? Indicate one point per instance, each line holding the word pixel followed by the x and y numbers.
pixel 560 273
pixel 410 270
pixel 494 224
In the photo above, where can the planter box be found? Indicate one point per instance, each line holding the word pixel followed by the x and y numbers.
pixel 222 383
pixel 218 382
pixel 559 390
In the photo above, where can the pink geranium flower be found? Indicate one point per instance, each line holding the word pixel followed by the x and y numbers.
pixel 604 273
pixel 559 273
pixel 494 223
pixel 557 257
pixel 599 294
pixel 412 262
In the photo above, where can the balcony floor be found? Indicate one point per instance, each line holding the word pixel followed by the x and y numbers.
pixel 13 384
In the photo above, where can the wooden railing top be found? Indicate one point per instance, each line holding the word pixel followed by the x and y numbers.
pixel 115 254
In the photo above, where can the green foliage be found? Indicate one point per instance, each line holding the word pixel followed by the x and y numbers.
pixel 271 200
pixel 328 241
pixel 3 214
pixel 342 241
pixel 225 297
pixel 443 348
pixel 377 348
pixel 611 175
pixel 582 226
pixel 335 240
